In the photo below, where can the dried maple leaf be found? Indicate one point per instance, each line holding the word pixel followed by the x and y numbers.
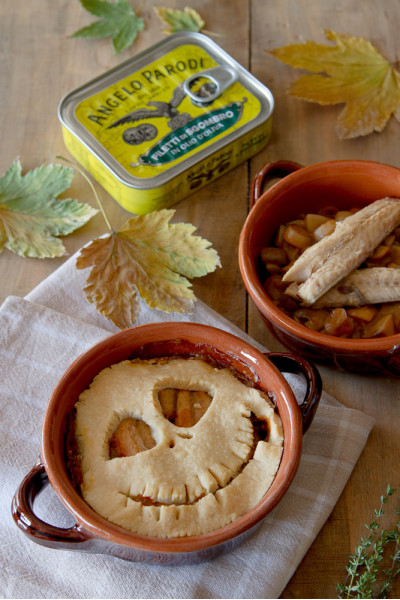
pixel 151 257
pixel 118 21
pixel 354 73
pixel 31 215
pixel 180 20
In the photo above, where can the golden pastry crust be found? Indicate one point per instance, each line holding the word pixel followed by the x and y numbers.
pixel 194 479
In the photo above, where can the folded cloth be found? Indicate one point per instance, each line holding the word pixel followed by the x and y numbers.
pixel 40 336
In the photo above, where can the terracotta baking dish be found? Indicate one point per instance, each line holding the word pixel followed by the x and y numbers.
pixel 343 184
pixel 92 533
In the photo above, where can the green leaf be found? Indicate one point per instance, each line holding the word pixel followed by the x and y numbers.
pixel 118 21
pixel 149 257
pixel 180 20
pixel 31 215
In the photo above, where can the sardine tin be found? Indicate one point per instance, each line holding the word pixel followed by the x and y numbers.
pixel 166 122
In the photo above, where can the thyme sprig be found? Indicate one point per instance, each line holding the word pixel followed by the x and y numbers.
pixel 366 567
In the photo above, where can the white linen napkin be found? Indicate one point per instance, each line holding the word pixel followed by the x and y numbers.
pixel 40 336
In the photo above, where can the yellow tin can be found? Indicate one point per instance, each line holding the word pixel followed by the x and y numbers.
pixel 166 122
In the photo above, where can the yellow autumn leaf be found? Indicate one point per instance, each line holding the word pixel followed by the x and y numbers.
pixel 353 73
pixel 149 257
pixel 187 19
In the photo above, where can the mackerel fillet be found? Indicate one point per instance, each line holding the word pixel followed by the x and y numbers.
pixel 324 264
pixel 364 286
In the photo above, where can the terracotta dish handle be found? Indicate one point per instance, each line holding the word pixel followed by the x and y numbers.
pixel 22 512
pixel 272 170
pixel 292 363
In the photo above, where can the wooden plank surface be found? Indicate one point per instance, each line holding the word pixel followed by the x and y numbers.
pixel 40 63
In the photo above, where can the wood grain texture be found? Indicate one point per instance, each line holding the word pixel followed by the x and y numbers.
pixel 40 62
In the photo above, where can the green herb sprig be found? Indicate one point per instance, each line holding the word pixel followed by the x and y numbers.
pixel 367 576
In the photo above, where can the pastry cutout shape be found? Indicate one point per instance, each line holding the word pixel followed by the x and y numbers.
pixel 194 479
pixel 184 408
pixel 131 437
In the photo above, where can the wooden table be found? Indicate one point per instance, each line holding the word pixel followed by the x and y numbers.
pixel 40 63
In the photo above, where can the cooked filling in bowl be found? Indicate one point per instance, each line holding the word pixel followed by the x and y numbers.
pixel 173 447
pixel 338 271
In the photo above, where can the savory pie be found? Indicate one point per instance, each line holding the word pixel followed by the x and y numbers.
pixel 174 447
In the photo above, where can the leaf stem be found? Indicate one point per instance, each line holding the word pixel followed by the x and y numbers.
pixel 81 171
pixel 212 33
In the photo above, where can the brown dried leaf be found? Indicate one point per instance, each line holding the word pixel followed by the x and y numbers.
pixel 148 257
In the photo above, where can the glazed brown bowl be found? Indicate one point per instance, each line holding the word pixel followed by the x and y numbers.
pixel 93 533
pixel 343 184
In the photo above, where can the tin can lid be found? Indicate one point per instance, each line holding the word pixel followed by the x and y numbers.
pixel 165 110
